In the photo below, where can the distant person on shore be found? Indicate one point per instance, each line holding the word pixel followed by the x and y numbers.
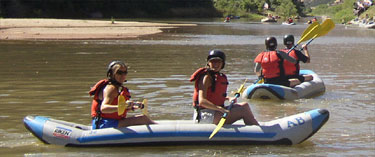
pixel 269 65
pixel 210 93
pixel 107 93
pixel 292 70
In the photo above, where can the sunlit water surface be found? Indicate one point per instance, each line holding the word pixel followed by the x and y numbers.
pixel 52 78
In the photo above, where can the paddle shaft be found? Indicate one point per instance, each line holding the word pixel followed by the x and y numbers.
pixel 292 48
pixel 308 43
pixel 231 105
pixel 224 117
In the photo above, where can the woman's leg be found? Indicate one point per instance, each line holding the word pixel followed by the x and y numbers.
pixel 294 82
pixel 136 120
pixel 241 111
pixel 308 77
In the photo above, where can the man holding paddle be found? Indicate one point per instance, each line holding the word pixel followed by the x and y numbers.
pixel 269 65
pixel 292 70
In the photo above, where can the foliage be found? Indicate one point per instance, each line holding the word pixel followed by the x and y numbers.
pixel 286 9
pixel 370 12
pixel 339 13
pixel 313 3
pixel 107 8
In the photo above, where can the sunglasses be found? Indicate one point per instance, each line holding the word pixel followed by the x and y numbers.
pixel 122 72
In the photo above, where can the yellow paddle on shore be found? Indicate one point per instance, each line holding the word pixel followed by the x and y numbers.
pixel 224 117
pixel 325 27
pixel 309 33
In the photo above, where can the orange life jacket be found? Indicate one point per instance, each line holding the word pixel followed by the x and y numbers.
pixel 270 62
pixel 96 102
pixel 217 96
pixel 289 67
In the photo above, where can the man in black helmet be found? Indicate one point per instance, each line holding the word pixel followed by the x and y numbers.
pixel 291 69
pixel 210 94
pixel 269 65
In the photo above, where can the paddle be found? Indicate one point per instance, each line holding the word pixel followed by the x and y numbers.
pixel 309 33
pixel 325 27
pixel 123 105
pixel 224 117
pixel 145 107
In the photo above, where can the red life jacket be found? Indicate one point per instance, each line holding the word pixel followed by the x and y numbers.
pixel 96 102
pixel 289 67
pixel 270 63
pixel 217 96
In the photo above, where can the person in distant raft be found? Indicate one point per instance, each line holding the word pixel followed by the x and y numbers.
pixel 104 109
pixel 269 65
pixel 292 70
pixel 210 94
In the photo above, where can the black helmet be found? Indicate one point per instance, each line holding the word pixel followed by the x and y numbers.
pixel 216 54
pixel 288 39
pixel 110 66
pixel 271 43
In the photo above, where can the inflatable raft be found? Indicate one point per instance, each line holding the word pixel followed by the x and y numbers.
pixel 286 23
pixel 278 92
pixel 289 130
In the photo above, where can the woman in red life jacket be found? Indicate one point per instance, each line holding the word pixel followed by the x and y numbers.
pixel 269 65
pixel 292 70
pixel 210 94
pixel 105 103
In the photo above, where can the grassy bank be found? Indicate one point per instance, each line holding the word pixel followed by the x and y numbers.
pixel 339 13
pixel 342 12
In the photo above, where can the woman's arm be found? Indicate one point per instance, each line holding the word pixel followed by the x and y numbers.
pixel 306 53
pixel 109 94
pixel 257 69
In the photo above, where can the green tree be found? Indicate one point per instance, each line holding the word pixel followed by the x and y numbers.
pixel 286 9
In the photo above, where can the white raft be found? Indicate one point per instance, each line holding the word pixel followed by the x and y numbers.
pixel 286 23
pixel 277 92
pixel 289 130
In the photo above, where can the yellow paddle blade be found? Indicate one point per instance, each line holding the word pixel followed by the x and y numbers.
pixel 145 107
pixel 310 34
pixel 326 27
pixel 241 89
pixel 218 127
pixel 260 81
pixel 308 29
pixel 122 105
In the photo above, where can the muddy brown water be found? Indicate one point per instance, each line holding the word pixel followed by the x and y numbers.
pixel 52 78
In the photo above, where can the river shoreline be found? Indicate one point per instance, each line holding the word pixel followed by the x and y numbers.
pixel 66 29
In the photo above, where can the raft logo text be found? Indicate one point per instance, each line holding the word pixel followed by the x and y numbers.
pixel 298 121
pixel 62 132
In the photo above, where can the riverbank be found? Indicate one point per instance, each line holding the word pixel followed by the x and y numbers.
pixel 64 29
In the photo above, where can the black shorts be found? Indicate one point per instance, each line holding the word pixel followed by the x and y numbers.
pixel 299 77
pixel 278 80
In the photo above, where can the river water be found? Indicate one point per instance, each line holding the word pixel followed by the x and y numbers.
pixel 52 78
